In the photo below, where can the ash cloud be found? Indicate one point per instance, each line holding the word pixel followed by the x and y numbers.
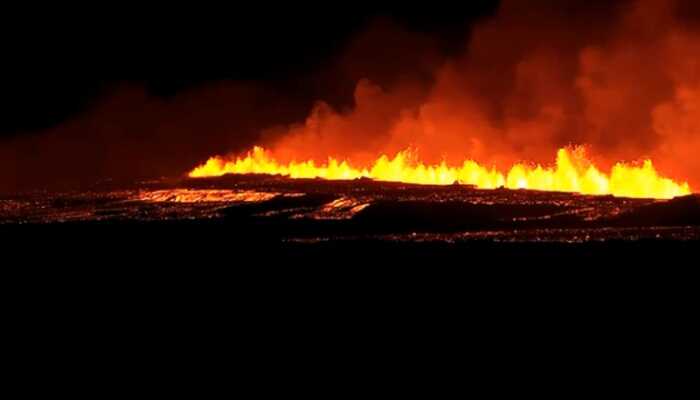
pixel 621 77
pixel 618 77
pixel 131 134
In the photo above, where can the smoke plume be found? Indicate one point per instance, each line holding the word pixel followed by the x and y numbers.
pixel 622 78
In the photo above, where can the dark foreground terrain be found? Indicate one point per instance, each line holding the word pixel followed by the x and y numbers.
pixel 245 212
pixel 268 256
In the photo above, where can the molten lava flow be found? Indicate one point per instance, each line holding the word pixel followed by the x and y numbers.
pixel 573 173
pixel 204 196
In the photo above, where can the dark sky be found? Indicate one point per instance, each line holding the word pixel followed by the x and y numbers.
pixel 58 63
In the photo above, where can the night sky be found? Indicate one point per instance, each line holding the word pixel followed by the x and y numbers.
pixel 58 64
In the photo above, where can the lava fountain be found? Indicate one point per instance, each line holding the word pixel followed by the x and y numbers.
pixel 572 172
pixel 500 113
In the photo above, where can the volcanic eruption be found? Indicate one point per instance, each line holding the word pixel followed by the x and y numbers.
pixel 535 121
pixel 537 100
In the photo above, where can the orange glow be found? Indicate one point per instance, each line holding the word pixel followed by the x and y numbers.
pixel 573 172
pixel 203 196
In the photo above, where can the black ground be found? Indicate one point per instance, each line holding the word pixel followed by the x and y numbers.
pixel 447 268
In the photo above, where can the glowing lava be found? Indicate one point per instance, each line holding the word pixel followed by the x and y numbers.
pixel 573 172
pixel 203 196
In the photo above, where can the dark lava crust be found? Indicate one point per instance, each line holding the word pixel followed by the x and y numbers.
pixel 300 212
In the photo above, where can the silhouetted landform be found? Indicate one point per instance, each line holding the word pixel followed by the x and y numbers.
pixel 681 211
